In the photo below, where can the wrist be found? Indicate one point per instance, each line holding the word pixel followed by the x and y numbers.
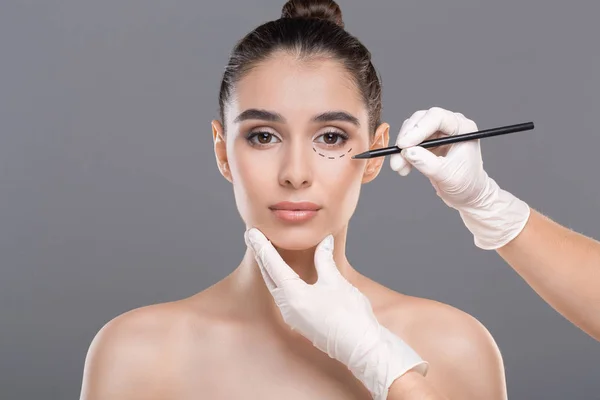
pixel 388 360
pixel 496 218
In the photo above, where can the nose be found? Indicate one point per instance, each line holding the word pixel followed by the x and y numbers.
pixel 296 169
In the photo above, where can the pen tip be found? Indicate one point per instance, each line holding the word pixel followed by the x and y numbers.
pixel 361 155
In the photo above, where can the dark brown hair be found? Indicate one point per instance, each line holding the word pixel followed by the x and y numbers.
pixel 306 28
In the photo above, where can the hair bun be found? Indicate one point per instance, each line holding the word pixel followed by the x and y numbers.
pixel 319 9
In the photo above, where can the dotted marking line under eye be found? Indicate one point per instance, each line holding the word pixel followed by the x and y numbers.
pixel 332 158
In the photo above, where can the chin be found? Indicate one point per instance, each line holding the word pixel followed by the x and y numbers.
pixel 294 238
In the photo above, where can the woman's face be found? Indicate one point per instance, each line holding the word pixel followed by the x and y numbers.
pixel 292 127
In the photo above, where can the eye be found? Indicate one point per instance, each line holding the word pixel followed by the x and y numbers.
pixel 262 138
pixel 334 139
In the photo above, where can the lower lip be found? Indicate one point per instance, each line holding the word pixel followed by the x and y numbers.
pixel 295 216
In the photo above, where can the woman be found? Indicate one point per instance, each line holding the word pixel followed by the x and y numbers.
pixel 298 98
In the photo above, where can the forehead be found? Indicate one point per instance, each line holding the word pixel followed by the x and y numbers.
pixel 290 85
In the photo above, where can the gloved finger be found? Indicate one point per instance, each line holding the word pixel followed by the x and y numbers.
pixel 265 275
pixel 326 269
pixel 397 162
pixel 425 161
pixel 467 125
pixel 269 259
pixel 268 280
pixel 436 119
pixel 410 123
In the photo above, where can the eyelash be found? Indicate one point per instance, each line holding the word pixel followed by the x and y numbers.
pixel 340 135
pixel 343 136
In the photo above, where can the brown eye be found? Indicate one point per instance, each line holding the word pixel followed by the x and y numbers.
pixel 333 138
pixel 263 137
pixel 330 138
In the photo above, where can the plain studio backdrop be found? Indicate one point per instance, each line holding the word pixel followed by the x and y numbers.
pixel 110 197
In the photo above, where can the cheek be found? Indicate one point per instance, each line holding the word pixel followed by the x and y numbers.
pixel 252 175
pixel 343 180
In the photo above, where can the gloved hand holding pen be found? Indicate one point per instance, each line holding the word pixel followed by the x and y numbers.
pixel 493 215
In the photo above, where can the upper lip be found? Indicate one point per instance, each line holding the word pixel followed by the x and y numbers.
pixel 295 206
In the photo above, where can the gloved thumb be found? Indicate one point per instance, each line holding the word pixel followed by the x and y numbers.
pixel 326 269
pixel 423 160
pixel 273 268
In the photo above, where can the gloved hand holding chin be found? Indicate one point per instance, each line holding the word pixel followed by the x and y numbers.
pixel 335 316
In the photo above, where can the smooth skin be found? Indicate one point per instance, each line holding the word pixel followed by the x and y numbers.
pixel 562 267
pixel 414 386
pixel 229 341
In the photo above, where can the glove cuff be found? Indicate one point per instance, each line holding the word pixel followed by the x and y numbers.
pixel 388 361
pixel 496 218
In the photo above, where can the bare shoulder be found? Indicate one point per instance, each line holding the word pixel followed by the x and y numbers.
pixel 130 357
pixel 465 361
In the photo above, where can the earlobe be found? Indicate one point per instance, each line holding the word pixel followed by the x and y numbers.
pixel 380 140
pixel 221 149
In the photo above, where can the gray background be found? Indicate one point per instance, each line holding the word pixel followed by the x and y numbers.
pixel 110 198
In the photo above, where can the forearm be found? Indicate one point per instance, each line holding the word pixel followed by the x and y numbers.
pixel 562 266
pixel 413 386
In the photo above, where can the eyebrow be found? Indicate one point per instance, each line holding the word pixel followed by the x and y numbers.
pixel 271 116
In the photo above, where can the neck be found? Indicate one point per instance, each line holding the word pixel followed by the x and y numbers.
pixel 252 290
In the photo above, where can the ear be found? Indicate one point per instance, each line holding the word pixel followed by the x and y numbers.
pixel 221 149
pixel 380 140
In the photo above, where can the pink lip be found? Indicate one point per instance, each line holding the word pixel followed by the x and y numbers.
pixel 295 206
pixel 295 212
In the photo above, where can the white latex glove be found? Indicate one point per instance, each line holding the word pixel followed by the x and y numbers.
pixel 494 216
pixel 335 316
